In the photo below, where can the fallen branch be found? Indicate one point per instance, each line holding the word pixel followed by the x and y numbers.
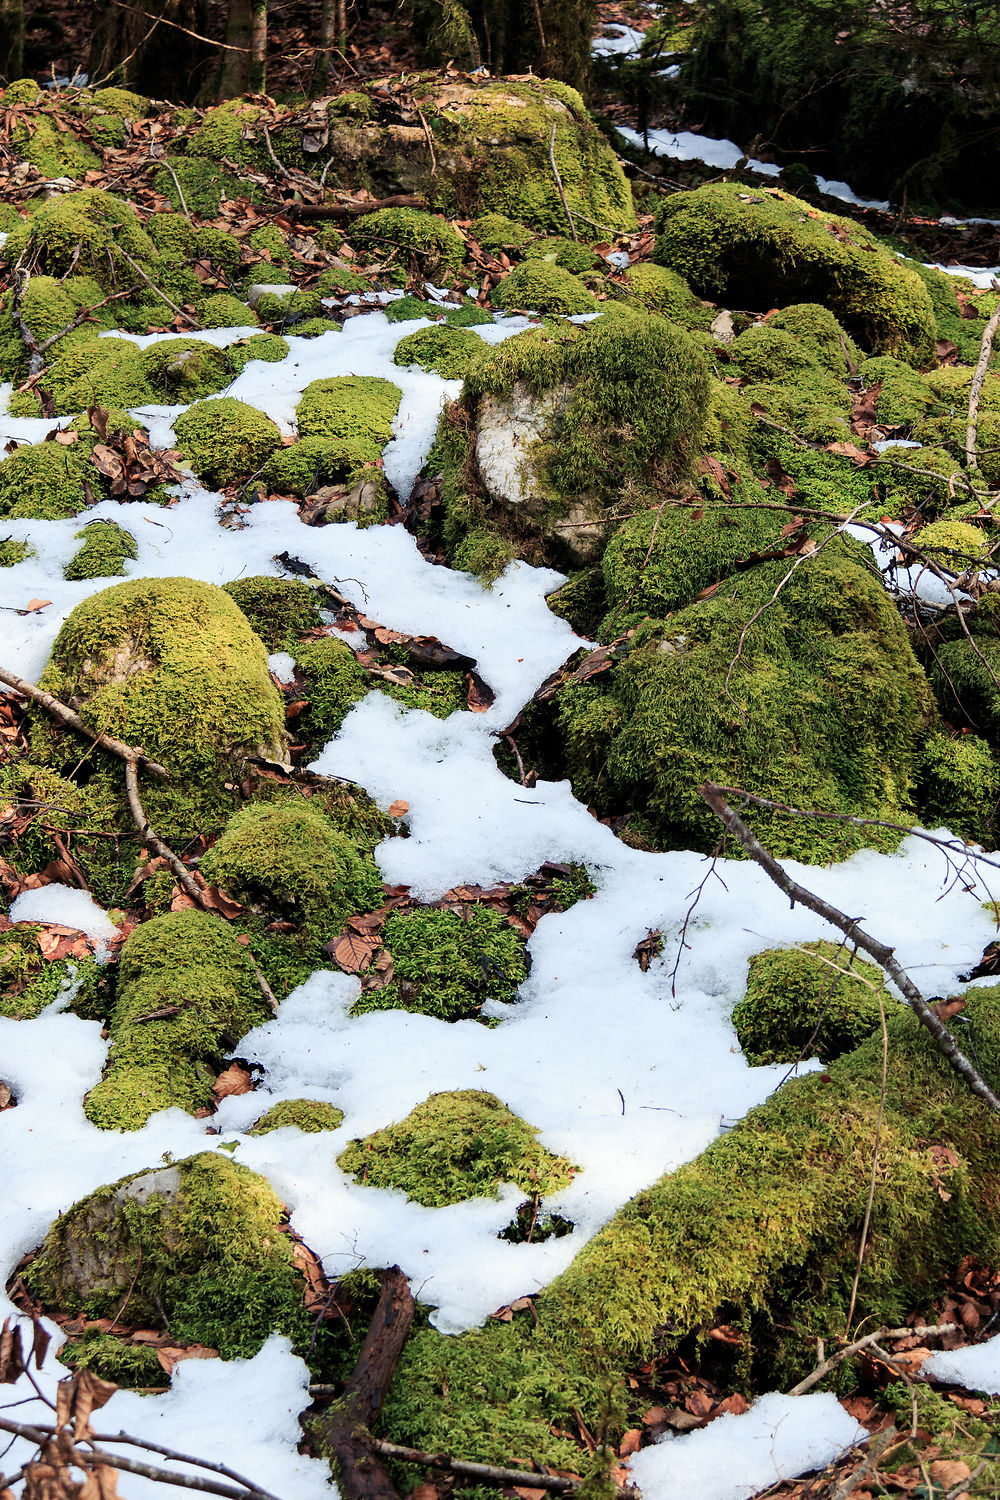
pixel 147 835
pixel 978 380
pixel 882 954
pixel 158 290
pixel 345 1431
pixel 555 1484
pixel 823 1369
pixel 60 710
pixel 352 209
pixel 877 1448
pixel 555 173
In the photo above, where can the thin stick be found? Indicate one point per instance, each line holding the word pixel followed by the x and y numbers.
pixel 555 173
pixel 822 1370
pixel 158 290
pixel 224 46
pixel 880 1443
pixel 180 191
pixel 863 1242
pixel 184 1458
pixel 882 954
pixel 59 710
pixel 556 1484
pixel 978 379
pixel 430 143
pixel 147 835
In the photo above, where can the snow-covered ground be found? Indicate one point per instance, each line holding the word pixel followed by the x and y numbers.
pixel 624 1073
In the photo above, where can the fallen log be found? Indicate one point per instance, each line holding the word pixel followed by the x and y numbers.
pixel 353 208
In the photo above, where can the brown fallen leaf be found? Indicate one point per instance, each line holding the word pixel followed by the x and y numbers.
pixel 234 1080
pixel 6 1097
pixel 34 605
pixel 11 1353
pixel 172 1354
pixel 948 1472
pixel 399 808
pixel 630 1442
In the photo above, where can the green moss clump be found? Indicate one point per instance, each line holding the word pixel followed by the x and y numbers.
pixel 269 241
pixel 13 552
pixel 903 399
pixel 173 235
pixel 185 370
pixel 227 131
pixel 430 239
pixel 449 351
pixel 335 681
pixel 812 698
pixel 285 309
pixel 469 315
pixel 56 153
pixel 558 251
pixel 540 287
pixel 312 461
pixel 279 609
pixel 447 966
pixel 662 291
pixel 21 91
pixel 200 1245
pixel 406 309
pixel 223 249
pixel 954 544
pixel 48 306
pixel 959 786
pixel 106 547
pixel 225 440
pixel 187 992
pixel 356 411
pixel 290 858
pixel 204 184
pixel 340 281
pixel 172 665
pixel 43 481
pixel 496 233
pixel 816 327
pixel 223 310
pixel 763 248
pixel 796 1005
pixel 453 1146
pixel 104 372
pixel 131 1366
pixel 270 348
pixel 90 230
pixel 309 1115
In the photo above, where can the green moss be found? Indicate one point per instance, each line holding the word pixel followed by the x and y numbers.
pixel 309 1115
pixel 13 552
pixel 496 233
pixel 540 287
pixel 796 1005
pixel 223 249
pixel 92 231
pixel 106 546
pixel 765 354
pixel 21 91
pixel 56 153
pixel 43 481
pixel 559 251
pixel 173 235
pixel 170 664
pixel 953 544
pixel 185 370
pixel 227 133
pixel 448 966
pixel 812 698
pixel 222 310
pixel 300 468
pixel 106 372
pixel 763 248
pixel 278 609
pixel 199 1240
pixel 658 560
pixel 48 307
pixel 408 231
pixel 290 858
pixel 225 440
pixel 269 241
pixel 959 786
pixel 453 1146
pixel 131 1366
pixel 287 309
pixel 204 184
pixel 335 681
pixel 270 348
pixel 903 398
pixel 816 327
pixel 469 315
pixel 654 287
pixel 340 281
pixel 963 673
pixel 449 351
pixel 122 102
pixel 356 411
pixel 312 328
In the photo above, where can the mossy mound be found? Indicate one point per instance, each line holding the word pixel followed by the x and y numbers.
pixel 448 966
pixel 809 696
pixel 662 291
pixel 13 552
pixel 803 1002
pixel 278 609
pixel 290 859
pixel 187 992
pixel 571 255
pixel 816 327
pixel 453 1146
pixel 314 461
pixel 537 286
pixel 354 411
pixel 185 370
pixel 90 230
pixel 28 984
pixel 449 351
pixel 225 440
pixel 130 1366
pixel 412 235
pixel 43 481
pixel 763 248
pixel 49 306
pixel 953 544
pixel 198 1242
pixel 959 787
pixel 309 1115
pixel 106 548
pixel 903 396
pixel 557 428
pixel 335 681
pixel 964 673
pixel 172 665
pixel 495 233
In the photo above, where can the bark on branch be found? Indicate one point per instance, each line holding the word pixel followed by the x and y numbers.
pixel 978 379
pixel 352 210
pixel 60 710
pixel 855 934
pixel 555 1484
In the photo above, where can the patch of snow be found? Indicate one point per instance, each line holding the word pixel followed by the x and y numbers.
pixel 617 41
pixel 977 1368
pixel 734 1457
pixel 982 277
pixel 282 665
pixel 65 904
pixel 219 338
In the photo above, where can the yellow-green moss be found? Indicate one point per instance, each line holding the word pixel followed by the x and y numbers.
pixel 447 350
pixel 13 552
pixel 431 240
pixel 106 547
pixel 335 681
pixel 540 287
pixel 495 232
pixel 131 1366
pixel 457 1145
pixel 279 609
pixel 959 786
pixel 903 398
pixel 43 481
pixel 309 1115
pixel 92 230
pixel 654 287
pixel 225 440
pixel 816 327
pixel 956 545
pixel 222 310
pixel 56 153
pixel 355 411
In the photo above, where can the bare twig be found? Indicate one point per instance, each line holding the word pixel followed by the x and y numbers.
pixel 978 378
pixel 430 142
pixel 352 209
pixel 850 926
pixel 60 710
pixel 223 46
pixel 823 1369
pixel 866 1225
pixel 176 182
pixel 556 1484
pixel 878 1446
pixel 147 835
pixel 158 290
pixel 559 185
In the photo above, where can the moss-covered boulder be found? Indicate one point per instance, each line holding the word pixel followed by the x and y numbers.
pixel 356 412
pixel 171 664
pixel 555 429
pixel 290 859
pixel 762 248
pixel 49 305
pixel 278 609
pixel 106 548
pixel 964 671
pixel 446 965
pixel 412 235
pixel 959 786
pixel 801 686
pixel 225 440
pixel 43 481
pixel 662 291
pixel 198 1243
pixel 448 350
pixel 537 286
pixel 463 1144
pixel 187 991
pixel 818 1000
pixel 309 1115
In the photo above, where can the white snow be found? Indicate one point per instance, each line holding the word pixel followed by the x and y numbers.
pixel 629 1074
pixel 617 41
pixel 978 275
pixel 734 1457
pixel 977 1367
pixel 65 904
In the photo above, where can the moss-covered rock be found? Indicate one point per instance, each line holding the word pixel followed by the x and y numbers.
pixel 309 1115
pixel 903 397
pixel 810 696
pixel 43 481
pixel 355 411
pixel 959 786
pixel 446 965
pixel 763 248
pixel 815 326
pixel 818 1000
pixel 223 310
pixel 279 609
pixel 187 992
pixel 290 859
pixel 662 291
pixel 571 255
pixel 106 548
pixel 198 1242
pixel 964 672
pixel 496 233
pixel 89 229
pixel 411 234
pixel 463 1144
pixel 953 544
pixel 335 681
pixel 185 370
pixel 538 286
pixel 225 440
pixel 449 351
